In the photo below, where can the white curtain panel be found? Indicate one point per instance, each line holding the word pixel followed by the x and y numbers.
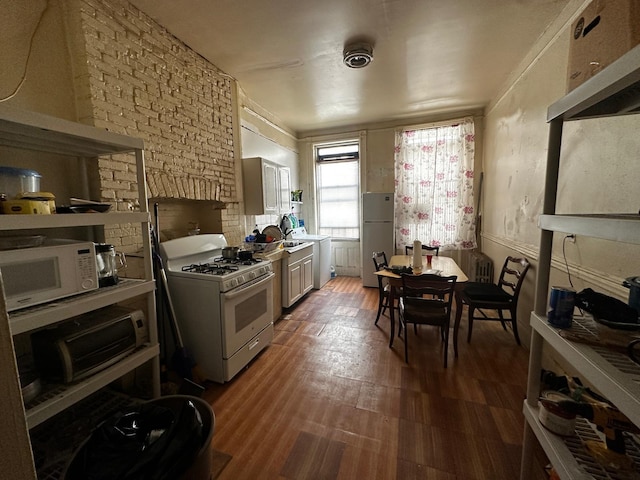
pixel 434 186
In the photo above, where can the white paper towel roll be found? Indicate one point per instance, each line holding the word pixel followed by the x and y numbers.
pixel 417 254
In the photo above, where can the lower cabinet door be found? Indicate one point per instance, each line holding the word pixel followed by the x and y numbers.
pixel 307 276
pixel 295 284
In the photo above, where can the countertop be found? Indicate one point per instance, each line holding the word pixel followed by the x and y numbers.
pixel 274 255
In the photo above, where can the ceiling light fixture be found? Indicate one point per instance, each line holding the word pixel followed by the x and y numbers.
pixel 357 55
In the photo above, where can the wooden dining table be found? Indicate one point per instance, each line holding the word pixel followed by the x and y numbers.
pixel 445 266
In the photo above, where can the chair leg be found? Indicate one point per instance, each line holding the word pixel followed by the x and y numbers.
pixel 380 309
pixel 471 310
pixel 392 328
pixel 504 325
pixel 514 323
pixel 446 344
pixel 406 344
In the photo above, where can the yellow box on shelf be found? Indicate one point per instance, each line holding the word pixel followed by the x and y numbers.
pixel 30 203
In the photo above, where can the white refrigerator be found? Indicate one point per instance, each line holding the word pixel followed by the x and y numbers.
pixel 377 232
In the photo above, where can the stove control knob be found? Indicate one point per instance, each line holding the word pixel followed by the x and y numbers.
pixel 252 275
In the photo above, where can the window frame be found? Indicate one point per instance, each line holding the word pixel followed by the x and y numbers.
pixel 348 157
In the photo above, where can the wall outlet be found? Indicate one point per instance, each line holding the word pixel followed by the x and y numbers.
pixel 571 238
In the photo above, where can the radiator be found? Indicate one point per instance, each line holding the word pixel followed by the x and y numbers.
pixel 480 268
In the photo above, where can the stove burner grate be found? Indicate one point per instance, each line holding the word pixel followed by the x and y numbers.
pixel 236 261
pixel 210 268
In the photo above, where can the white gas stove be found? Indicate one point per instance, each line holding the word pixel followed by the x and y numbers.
pixel 200 256
pixel 224 307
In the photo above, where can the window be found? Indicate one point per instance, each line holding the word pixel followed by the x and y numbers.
pixel 337 185
pixel 434 186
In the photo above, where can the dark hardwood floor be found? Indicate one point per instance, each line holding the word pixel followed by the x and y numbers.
pixel 330 400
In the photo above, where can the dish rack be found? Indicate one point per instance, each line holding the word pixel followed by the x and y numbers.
pixel 263 247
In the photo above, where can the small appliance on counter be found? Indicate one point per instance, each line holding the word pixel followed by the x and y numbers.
pixel 88 343
pixel 57 269
pixel 29 203
pixel 107 262
pixel 20 193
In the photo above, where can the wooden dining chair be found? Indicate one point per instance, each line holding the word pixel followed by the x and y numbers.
pixel 426 300
pixel 500 297
pixel 384 289
pixel 426 250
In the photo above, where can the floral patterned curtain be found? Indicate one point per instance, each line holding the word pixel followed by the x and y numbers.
pixel 434 186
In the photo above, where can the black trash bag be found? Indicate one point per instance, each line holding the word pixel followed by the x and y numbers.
pixel 149 442
pixel 604 307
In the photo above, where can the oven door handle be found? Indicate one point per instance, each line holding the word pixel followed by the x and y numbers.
pixel 241 290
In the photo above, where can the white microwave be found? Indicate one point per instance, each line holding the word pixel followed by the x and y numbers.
pixel 58 269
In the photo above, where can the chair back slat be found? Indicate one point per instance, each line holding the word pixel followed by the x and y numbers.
pixel 426 300
pixel 379 260
pixel 501 297
pixel 511 276
pixel 440 288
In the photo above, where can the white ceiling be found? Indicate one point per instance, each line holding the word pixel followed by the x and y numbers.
pixel 430 56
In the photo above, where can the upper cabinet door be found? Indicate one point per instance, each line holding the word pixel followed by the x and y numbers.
pixel 260 184
pixel 270 186
pixel 284 184
pixel 267 187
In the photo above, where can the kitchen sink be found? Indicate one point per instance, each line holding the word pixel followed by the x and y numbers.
pixel 291 246
pixel 291 243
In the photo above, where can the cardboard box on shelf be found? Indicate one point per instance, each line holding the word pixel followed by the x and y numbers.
pixel 604 31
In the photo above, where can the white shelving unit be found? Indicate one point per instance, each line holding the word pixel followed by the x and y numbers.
pixel 614 91
pixel 32 131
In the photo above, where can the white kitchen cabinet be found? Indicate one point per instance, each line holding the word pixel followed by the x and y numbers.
pixel 32 131
pixel 297 273
pixel 267 187
pixel 614 91
pixel 284 187
pixel 260 183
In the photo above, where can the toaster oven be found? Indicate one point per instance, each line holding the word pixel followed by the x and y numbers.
pixel 86 344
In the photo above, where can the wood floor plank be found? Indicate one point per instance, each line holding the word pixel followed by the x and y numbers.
pixel 328 399
pixel 313 457
pixel 362 463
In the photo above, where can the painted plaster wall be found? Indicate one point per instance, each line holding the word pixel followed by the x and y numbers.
pixel 36 75
pixel 27 86
pixel 598 174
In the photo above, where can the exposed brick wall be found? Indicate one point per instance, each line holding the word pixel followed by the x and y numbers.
pixel 144 82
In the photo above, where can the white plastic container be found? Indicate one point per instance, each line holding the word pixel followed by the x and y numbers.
pixel 16 180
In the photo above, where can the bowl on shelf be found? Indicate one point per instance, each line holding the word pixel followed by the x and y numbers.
pixel 21 241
